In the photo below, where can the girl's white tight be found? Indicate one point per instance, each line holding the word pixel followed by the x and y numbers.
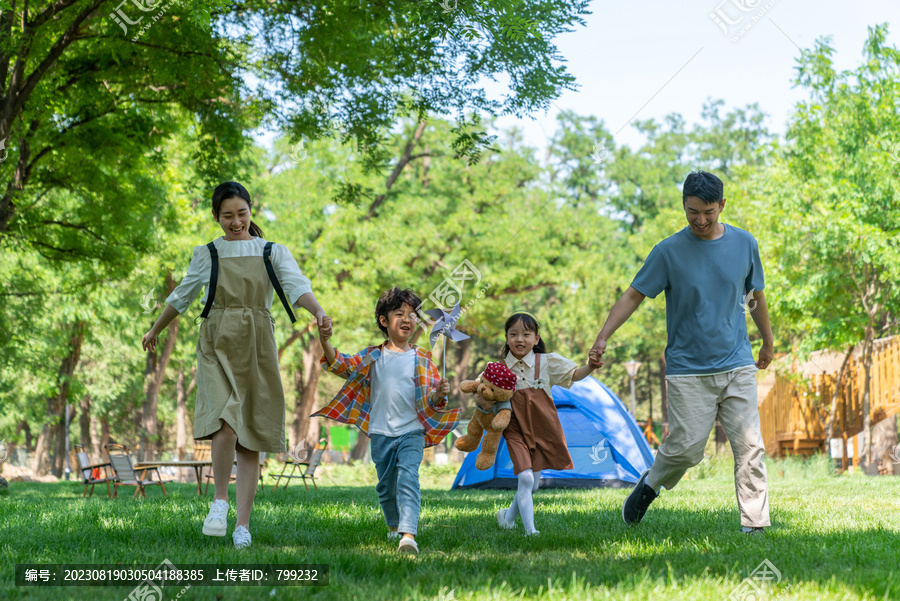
pixel 523 504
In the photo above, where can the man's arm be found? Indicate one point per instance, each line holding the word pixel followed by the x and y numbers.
pixel 760 315
pixel 621 311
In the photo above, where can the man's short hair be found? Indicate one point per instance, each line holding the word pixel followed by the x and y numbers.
pixel 704 185
pixel 393 299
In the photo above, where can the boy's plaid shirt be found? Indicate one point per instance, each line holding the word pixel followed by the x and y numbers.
pixel 352 404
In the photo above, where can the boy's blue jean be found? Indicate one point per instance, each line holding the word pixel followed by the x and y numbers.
pixel 397 460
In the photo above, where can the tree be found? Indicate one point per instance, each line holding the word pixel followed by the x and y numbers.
pixel 359 67
pixel 84 112
pixel 833 205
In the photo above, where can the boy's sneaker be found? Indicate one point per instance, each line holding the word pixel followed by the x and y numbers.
pixel 241 537
pixel 408 545
pixel 501 519
pixel 214 524
pixel 635 506
pixel 393 534
pixel 752 530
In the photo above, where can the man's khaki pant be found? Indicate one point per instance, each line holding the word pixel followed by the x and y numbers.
pixel 694 404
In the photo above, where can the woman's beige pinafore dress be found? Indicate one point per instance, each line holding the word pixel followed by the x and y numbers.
pixel 238 381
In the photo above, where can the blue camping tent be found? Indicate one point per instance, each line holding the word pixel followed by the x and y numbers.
pixel 606 445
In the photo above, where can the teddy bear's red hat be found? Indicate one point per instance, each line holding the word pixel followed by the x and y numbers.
pixel 500 376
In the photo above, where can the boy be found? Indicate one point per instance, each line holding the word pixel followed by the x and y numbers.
pixel 394 395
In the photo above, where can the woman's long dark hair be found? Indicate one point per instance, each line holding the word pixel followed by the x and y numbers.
pixel 529 324
pixel 228 190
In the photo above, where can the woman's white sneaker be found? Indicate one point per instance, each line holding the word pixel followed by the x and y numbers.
pixel 215 523
pixel 241 537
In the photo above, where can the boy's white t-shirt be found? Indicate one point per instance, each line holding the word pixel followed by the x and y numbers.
pixel 393 396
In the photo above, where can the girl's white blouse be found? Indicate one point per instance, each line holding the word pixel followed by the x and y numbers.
pixel 294 283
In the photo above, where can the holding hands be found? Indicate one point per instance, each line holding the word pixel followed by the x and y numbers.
pixel 596 354
pixel 324 324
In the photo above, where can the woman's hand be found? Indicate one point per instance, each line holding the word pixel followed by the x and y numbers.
pixel 324 324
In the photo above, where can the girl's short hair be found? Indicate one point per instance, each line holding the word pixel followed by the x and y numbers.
pixel 393 299
pixel 530 324
pixel 227 190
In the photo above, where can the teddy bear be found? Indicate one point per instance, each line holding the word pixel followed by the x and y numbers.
pixel 492 390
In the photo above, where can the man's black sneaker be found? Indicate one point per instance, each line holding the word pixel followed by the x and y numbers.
pixel 749 530
pixel 635 506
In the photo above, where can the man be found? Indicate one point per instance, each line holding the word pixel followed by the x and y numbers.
pixel 711 274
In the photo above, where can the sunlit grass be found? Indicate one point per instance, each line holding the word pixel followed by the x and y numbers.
pixel 833 537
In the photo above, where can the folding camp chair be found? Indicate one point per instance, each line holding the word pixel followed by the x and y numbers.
pixel 93 473
pixel 233 476
pixel 125 472
pixel 309 472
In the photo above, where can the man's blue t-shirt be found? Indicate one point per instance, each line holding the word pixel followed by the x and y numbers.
pixel 706 283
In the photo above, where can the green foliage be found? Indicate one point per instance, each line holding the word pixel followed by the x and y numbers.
pixel 367 65
pixel 833 203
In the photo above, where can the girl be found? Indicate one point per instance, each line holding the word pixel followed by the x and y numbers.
pixel 240 400
pixel 534 435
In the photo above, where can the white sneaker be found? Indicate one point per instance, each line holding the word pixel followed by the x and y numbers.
pixel 393 534
pixel 215 522
pixel 241 537
pixel 501 519
pixel 408 545
pixel 533 533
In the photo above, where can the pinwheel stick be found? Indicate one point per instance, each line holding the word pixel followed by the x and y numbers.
pixel 445 326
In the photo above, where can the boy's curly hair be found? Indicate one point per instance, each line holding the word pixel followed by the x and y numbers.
pixel 393 299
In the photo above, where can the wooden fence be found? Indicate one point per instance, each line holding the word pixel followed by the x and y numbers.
pixel 794 406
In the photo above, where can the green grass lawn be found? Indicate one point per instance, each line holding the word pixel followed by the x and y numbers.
pixel 833 537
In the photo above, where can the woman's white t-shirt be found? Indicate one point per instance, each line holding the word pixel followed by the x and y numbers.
pixel 294 283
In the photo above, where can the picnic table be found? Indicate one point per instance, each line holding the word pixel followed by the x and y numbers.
pixel 196 465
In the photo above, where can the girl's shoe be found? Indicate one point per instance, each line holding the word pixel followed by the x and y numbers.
pixel 501 519
pixel 214 524
pixel 408 545
pixel 241 537
pixel 393 534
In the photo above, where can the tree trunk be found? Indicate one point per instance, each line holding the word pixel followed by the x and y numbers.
pixel 865 450
pixel 832 413
pixel 104 433
pixel 181 394
pixel 721 439
pixel 884 439
pixel 95 438
pixel 154 375
pixel 306 389
pixel 359 449
pixel 49 453
pixel 84 421
pixel 23 427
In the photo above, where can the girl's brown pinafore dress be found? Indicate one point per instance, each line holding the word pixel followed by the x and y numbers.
pixel 534 435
